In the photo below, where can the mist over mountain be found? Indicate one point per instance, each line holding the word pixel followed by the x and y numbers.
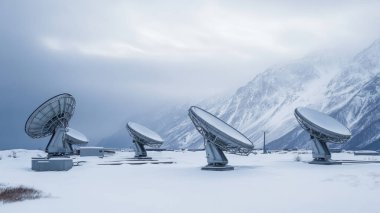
pixel 347 89
pixel 352 98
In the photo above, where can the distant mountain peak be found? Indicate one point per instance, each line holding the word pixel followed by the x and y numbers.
pixel 322 80
pixel 369 58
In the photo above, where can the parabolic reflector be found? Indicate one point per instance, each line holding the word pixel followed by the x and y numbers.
pixel 53 113
pixel 52 118
pixel 230 136
pixel 218 137
pixel 75 137
pixel 144 132
pixel 323 129
pixel 322 123
pixel 143 136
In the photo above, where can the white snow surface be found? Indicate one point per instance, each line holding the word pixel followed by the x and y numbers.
pixel 145 131
pixel 323 120
pixel 260 183
pixel 220 125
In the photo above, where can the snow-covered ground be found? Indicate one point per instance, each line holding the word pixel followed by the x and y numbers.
pixel 259 183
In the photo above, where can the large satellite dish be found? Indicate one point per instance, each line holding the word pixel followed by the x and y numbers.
pixel 218 137
pixel 52 118
pixel 143 136
pixel 323 129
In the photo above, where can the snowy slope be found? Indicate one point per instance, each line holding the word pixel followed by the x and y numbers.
pixel 323 81
pixel 353 97
pixel 353 77
pixel 362 115
pixel 320 81
pixel 266 103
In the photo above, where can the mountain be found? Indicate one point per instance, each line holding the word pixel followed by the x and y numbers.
pixel 265 103
pixel 362 114
pixel 352 97
pixel 346 89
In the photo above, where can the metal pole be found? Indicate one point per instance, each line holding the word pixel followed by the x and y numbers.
pixel 264 147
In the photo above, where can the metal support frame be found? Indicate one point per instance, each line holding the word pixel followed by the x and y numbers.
pixel 216 159
pixel 140 151
pixel 57 146
pixel 320 150
pixel 215 155
pixel 321 153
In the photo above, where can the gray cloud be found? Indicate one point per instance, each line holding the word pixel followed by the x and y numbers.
pixel 126 58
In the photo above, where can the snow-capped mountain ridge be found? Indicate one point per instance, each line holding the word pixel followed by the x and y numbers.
pixel 353 98
pixel 321 81
pixel 363 67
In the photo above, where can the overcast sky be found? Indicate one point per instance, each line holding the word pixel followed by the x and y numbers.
pixel 125 58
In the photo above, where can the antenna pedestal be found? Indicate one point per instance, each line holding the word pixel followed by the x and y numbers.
pixel 140 152
pixel 216 159
pixel 57 146
pixel 321 153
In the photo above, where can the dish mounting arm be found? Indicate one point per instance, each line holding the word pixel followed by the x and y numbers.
pixel 57 145
pixel 214 154
pixel 139 149
pixel 321 151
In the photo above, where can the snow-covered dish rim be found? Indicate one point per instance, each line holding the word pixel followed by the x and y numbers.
pixel 324 122
pixel 220 125
pixel 76 136
pixel 144 131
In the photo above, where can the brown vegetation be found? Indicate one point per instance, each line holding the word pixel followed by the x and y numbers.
pixel 19 193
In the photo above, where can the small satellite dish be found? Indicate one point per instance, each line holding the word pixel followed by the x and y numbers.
pixel 323 129
pixel 52 118
pixel 143 136
pixel 74 137
pixel 218 137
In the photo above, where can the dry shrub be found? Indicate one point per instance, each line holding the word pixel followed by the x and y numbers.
pixel 19 193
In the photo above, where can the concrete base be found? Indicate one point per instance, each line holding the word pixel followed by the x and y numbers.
pixel 325 162
pixel 218 168
pixel 52 164
pixel 91 151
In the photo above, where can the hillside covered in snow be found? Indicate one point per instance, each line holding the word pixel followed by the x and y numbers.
pixel 346 89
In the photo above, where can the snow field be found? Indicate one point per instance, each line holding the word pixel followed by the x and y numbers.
pixel 259 183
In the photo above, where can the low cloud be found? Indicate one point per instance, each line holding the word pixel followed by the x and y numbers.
pixel 125 58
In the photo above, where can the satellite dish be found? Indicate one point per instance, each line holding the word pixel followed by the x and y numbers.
pixel 74 137
pixel 143 136
pixel 323 129
pixel 52 118
pixel 218 137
